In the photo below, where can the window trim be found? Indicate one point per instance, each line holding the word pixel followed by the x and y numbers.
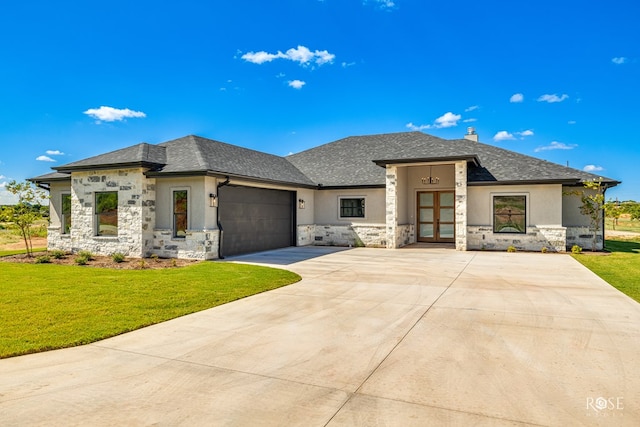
pixel 62 214
pixel 96 214
pixel 173 212
pixel 493 212
pixel 351 218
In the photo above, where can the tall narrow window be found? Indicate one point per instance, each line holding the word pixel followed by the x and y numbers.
pixel 65 218
pixel 510 214
pixel 107 213
pixel 352 207
pixel 180 221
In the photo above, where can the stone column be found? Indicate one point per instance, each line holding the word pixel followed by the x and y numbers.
pixel 461 205
pixel 392 206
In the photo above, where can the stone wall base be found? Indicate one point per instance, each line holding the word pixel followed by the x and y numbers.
pixel 197 244
pixel 406 235
pixel 583 237
pixel 536 238
pixel 355 235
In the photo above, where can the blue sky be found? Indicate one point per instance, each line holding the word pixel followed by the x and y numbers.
pixel 559 80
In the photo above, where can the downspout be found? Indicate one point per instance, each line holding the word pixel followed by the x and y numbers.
pixel 221 231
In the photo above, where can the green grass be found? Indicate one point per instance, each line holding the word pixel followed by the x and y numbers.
pixel 624 224
pixel 45 306
pixel 621 269
pixel 20 251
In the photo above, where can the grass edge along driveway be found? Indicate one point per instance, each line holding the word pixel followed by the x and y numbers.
pixel 620 268
pixel 45 307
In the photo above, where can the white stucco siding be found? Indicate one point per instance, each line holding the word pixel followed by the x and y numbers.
pixel 56 190
pixel 197 212
pixel 544 203
pixel 327 206
pixel 571 215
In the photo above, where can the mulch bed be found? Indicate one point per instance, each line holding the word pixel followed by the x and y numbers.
pixel 102 261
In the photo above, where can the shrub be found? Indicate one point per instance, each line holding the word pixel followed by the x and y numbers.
pixel 117 257
pixel 575 249
pixel 155 257
pixel 81 260
pixel 512 249
pixel 43 259
pixel 58 254
pixel 174 263
pixel 86 254
pixel 142 264
pixel 544 250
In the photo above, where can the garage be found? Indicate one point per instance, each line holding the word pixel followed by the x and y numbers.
pixel 256 219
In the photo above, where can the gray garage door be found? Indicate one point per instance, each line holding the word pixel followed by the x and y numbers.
pixel 256 219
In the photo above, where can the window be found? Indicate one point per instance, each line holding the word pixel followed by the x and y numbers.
pixel 65 218
pixel 352 207
pixel 107 213
pixel 180 223
pixel 510 214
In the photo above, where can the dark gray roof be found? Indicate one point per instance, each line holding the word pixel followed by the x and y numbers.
pixel 193 153
pixel 50 177
pixel 142 154
pixel 350 161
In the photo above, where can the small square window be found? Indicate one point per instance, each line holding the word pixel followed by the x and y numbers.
pixel 352 207
pixel 510 214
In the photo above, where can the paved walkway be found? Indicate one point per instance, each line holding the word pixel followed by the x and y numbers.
pixel 368 337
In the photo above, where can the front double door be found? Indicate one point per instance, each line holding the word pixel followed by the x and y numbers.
pixel 436 216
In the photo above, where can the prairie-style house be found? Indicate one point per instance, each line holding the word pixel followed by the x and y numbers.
pixel 198 198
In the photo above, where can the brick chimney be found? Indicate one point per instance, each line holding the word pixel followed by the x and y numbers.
pixel 471 134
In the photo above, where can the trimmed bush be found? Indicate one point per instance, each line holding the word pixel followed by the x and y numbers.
pixel 43 259
pixel 575 249
pixel 512 249
pixel 58 254
pixel 117 257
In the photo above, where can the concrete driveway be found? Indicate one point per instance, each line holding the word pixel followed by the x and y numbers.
pixel 369 337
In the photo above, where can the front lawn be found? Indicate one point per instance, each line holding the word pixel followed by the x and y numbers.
pixel 44 306
pixel 621 269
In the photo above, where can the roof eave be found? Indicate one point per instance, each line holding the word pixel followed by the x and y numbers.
pixel 149 165
pixel 469 158
pixel 218 174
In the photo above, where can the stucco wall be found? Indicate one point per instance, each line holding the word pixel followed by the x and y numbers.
pixel 327 212
pixel 544 203
pixel 446 175
pixel 571 216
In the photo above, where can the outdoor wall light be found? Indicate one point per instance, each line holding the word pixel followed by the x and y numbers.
pixel 213 200
pixel 300 204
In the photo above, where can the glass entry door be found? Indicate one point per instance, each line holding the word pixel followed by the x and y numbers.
pixel 436 216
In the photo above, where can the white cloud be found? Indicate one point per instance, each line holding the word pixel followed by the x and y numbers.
pixel 447 120
pixel 348 64
pixel 619 60
pixel 44 159
pixel 383 4
pixel 555 145
pixel 301 54
pixel 592 168
pixel 571 122
pixel 473 107
pixel 411 126
pixel 469 120
pixel 54 152
pixel 553 98
pixel 527 132
pixel 503 135
pixel 516 97
pixel 110 114
pixel 3 177
pixel 296 84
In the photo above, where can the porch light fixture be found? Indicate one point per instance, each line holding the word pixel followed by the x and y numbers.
pixel 430 179
pixel 213 200
pixel 300 204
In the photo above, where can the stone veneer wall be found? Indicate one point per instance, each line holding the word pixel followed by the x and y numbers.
pixel 406 235
pixel 392 206
pixel 343 235
pixel 583 237
pixel 483 237
pixel 200 244
pixel 461 205
pixel 136 218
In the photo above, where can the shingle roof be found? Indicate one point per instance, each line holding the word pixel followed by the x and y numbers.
pixel 350 161
pixel 144 154
pixel 193 153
